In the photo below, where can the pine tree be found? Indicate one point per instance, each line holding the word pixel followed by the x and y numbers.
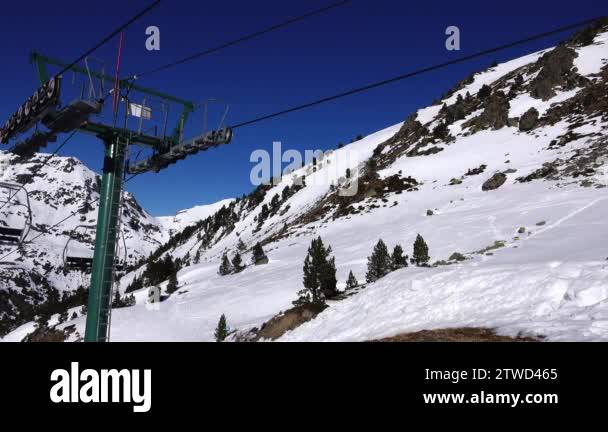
pixel 225 266
pixel 319 274
pixel 264 213
pixel 237 263
pixel 420 257
pixel 259 256
pixel 241 246
pixel 379 263
pixel 135 285
pixel 74 316
pixel 63 316
pixel 42 320
pixel 327 277
pixel 348 174
pixel 197 257
pixel 351 282
pixel 129 301
pixel 398 260
pixel 484 91
pixel 172 285
pixel 275 203
pixel 221 331
pixel 117 301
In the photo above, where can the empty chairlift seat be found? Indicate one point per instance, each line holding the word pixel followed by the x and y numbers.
pixel 79 249
pixel 15 213
pixel 10 235
pixel 79 263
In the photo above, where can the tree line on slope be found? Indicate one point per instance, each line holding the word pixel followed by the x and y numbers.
pixel 319 272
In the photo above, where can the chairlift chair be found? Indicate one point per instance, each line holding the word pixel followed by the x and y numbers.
pixel 78 261
pixel 15 235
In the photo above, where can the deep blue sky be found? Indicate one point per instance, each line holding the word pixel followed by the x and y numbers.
pixel 351 46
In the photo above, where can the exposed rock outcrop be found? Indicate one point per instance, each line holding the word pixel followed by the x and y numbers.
pixel 494 182
pixel 556 69
pixel 529 120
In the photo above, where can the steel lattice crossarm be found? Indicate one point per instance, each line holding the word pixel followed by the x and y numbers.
pixel 180 151
pixel 45 107
pixel 41 62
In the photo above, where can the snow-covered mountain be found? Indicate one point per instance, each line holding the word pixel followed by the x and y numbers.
pixel 63 196
pixel 184 218
pixel 505 179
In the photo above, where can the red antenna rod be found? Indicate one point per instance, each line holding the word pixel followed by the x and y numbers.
pixel 116 92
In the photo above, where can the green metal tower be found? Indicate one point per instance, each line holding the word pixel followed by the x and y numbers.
pixel 168 149
pixel 102 277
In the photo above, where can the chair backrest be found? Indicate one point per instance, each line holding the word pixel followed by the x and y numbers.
pixel 10 235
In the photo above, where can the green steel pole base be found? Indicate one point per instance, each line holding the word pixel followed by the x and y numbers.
pixel 100 291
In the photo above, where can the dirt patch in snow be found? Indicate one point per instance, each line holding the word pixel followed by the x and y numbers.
pixel 51 334
pixel 289 320
pixel 466 334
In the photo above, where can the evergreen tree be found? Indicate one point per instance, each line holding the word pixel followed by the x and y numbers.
pixel 327 277
pixel 42 320
pixel 237 263
pixel 348 174
pixel 197 257
pixel 319 274
pixel 172 285
pixel 351 282
pixel 398 260
pixel 286 193
pixel 241 246
pixel 420 257
pixel 74 316
pixel 259 256
pixel 484 91
pixel 117 301
pixel 135 285
pixel 221 331
pixel 63 316
pixel 225 266
pixel 264 212
pixel 379 263
pixel 275 203
pixel 129 301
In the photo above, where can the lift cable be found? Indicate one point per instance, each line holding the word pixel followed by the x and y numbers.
pixel 82 57
pixel 417 72
pixel 372 86
pixel 110 36
pixel 246 37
